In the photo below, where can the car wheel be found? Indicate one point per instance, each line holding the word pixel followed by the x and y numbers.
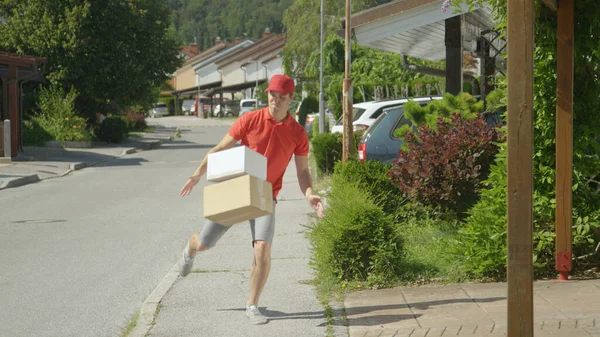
pixel 230 114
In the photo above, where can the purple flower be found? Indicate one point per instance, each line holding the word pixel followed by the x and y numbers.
pixel 445 5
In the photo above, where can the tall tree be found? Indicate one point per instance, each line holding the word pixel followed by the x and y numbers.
pixel 204 20
pixel 302 23
pixel 110 51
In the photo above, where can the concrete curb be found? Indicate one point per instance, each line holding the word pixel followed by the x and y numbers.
pixel 34 178
pixel 340 323
pixel 128 151
pixel 149 309
pixel 78 166
pixel 151 146
pixel 24 180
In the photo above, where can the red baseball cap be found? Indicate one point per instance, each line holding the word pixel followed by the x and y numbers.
pixel 281 84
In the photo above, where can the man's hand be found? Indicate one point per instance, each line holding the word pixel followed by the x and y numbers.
pixel 315 203
pixel 189 185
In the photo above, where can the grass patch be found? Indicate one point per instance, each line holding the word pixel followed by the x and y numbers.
pixel 176 135
pixel 425 258
pixel 156 312
pixel 328 291
pixel 150 129
pixel 132 324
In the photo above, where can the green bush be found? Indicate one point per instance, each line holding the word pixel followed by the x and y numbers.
pixel 327 149
pixel 34 134
pixel 372 177
pixel 356 240
pixel 112 130
pixel 57 115
pixel 307 106
pixel 314 130
pixel 481 243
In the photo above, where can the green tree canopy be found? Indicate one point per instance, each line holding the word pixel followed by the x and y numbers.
pixel 112 52
pixel 205 20
pixel 302 23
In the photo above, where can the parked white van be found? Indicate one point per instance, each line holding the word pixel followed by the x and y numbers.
pixel 249 104
pixel 189 107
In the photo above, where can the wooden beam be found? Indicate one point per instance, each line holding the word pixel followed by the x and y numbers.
pixel 387 10
pixel 454 55
pixel 520 18
pixel 564 137
pixel 553 4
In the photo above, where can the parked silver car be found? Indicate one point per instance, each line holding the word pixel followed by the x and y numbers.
pixel 160 109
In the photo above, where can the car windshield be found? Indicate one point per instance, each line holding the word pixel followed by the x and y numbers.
pixel 356 113
pixel 248 104
pixel 161 105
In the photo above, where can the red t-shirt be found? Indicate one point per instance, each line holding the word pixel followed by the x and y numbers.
pixel 276 141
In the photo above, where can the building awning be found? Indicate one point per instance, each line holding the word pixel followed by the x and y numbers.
pixel 416 28
pixel 233 88
pixel 193 91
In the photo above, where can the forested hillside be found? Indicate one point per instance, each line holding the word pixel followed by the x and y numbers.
pixel 204 20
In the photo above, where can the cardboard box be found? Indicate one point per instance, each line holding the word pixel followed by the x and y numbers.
pixel 235 162
pixel 237 200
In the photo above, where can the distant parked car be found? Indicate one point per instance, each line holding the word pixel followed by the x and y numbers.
pixel 311 117
pixel 364 114
pixel 159 109
pixel 229 108
pixel 378 143
pixel 189 107
pixel 247 105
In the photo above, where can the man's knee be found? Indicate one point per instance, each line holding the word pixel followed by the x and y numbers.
pixel 262 249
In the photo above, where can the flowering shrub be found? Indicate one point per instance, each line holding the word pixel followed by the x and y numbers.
pixel 445 167
pixel 135 121
pixel 58 117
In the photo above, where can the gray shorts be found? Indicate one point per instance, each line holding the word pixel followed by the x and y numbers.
pixel 263 229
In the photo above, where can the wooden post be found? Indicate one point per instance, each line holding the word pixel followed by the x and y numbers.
pixel 520 167
pixel 347 91
pixel 454 55
pixel 564 137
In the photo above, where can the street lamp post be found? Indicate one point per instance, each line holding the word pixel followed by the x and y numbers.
pixel 321 97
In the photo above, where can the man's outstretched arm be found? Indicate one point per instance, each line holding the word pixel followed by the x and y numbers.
pixel 305 182
pixel 226 143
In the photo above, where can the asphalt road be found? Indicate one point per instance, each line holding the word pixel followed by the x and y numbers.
pixel 79 254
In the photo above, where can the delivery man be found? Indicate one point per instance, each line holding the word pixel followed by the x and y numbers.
pixel 274 133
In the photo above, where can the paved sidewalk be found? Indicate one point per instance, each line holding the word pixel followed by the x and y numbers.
pixel 211 300
pixel 40 163
pixel 566 309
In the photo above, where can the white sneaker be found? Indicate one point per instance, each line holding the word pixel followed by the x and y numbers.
pixel 186 263
pixel 254 315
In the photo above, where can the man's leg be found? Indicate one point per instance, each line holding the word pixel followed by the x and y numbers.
pixel 211 233
pixel 260 270
pixel 263 230
pixel 194 245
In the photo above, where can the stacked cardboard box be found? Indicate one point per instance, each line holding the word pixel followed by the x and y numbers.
pixel 238 189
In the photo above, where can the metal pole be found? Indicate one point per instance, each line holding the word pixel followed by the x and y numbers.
pixel 347 91
pixel 321 96
pixel 256 89
pixel 7 147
